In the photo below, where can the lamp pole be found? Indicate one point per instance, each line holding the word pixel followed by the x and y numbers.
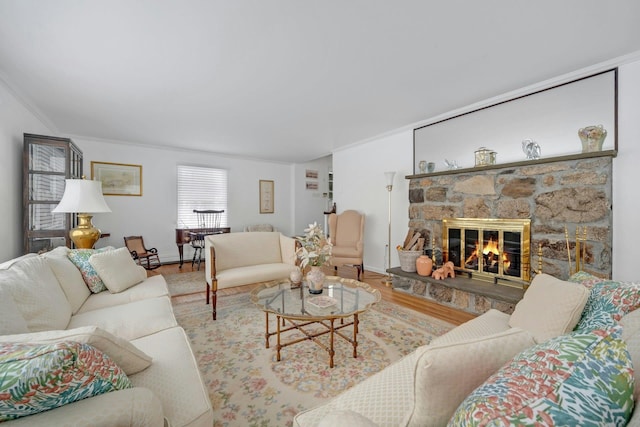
pixel 388 281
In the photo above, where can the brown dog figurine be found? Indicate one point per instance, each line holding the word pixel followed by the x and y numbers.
pixel 445 271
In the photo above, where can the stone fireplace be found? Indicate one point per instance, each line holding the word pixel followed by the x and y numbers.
pixel 559 197
pixel 489 248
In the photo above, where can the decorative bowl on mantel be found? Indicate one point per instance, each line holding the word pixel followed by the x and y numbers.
pixel 485 157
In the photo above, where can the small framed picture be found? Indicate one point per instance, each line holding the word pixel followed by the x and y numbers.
pixel 312 185
pixel 311 174
pixel 118 179
pixel 266 196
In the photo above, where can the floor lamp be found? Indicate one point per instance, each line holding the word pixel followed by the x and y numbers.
pixel 389 177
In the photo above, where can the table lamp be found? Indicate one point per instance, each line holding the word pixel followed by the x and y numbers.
pixel 83 197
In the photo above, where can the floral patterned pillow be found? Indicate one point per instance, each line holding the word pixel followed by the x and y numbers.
pixel 80 257
pixel 39 377
pixel 608 301
pixel 581 379
pixel 585 279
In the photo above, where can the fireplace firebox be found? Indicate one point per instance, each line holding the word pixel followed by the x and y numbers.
pixel 489 248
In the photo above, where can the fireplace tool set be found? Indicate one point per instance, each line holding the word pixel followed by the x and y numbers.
pixel 581 248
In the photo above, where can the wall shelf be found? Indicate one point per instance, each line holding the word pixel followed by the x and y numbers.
pixel 606 153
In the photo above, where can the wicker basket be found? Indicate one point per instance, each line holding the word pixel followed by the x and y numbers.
pixel 408 260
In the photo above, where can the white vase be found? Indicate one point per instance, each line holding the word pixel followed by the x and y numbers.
pixel 423 166
pixel 295 276
pixel 315 280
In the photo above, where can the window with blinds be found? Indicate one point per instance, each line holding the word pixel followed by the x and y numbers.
pixel 200 188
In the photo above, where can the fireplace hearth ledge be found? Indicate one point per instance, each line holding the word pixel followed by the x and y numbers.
pixel 471 295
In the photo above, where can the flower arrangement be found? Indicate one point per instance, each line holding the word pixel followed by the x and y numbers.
pixel 315 249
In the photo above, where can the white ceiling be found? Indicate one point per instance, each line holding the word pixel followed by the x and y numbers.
pixel 288 80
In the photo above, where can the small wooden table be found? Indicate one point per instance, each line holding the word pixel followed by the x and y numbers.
pixel 295 309
pixel 182 237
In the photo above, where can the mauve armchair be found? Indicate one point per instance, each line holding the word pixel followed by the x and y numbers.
pixel 346 234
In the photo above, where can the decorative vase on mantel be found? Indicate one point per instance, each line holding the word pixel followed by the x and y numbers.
pixel 424 265
pixel 592 138
pixel 315 280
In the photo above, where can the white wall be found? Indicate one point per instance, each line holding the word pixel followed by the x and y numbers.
pixel 310 205
pixel 626 200
pixel 363 187
pixel 359 184
pixel 15 120
pixel 358 181
pixel 154 214
pixel 550 117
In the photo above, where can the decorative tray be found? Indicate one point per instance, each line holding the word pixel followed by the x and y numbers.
pixel 322 301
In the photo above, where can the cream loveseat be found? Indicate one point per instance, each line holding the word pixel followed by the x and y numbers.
pixel 528 368
pixel 46 305
pixel 234 259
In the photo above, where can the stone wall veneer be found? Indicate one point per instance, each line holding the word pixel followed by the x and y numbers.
pixel 572 191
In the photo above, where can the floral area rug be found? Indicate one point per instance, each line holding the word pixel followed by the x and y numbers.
pixel 248 387
pixel 186 283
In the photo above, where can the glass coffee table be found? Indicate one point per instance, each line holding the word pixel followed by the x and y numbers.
pixel 295 309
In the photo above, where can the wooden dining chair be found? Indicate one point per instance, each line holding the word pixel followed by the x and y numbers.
pixel 208 223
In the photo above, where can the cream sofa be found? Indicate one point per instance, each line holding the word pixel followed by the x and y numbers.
pixel 436 381
pixel 44 299
pixel 234 259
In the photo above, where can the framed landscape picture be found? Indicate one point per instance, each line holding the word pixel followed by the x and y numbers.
pixel 118 179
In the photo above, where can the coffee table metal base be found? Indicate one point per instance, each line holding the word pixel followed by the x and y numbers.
pixel 330 328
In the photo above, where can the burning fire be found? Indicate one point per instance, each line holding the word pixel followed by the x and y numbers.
pixel 491 252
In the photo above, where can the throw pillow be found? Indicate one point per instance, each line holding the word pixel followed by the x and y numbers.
pixel 124 354
pixel 117 269
pixel 37 294
pixel 445 374
pixel 68 276
pixel 39 377
pixel 80 257
pixel 11 320
pixel 586 279
pixel 631 335
pixel 608 301
pixel 489 323
pixel 550 307
pixel 585 378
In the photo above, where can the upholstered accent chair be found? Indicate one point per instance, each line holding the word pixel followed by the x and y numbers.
pixel 260 227
pixel 346 234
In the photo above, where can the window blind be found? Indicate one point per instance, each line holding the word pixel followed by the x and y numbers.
pixel 201 188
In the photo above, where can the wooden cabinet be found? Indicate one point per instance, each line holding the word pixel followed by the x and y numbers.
pixel 47 162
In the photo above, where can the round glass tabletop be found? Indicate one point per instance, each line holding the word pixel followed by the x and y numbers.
pixel 339 298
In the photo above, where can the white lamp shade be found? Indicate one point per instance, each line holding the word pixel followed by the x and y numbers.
pixel 389 177
pixel 82 196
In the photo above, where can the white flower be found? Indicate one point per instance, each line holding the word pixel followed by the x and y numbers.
pixel 315 249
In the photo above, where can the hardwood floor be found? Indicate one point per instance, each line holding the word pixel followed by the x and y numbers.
pixel 373 279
